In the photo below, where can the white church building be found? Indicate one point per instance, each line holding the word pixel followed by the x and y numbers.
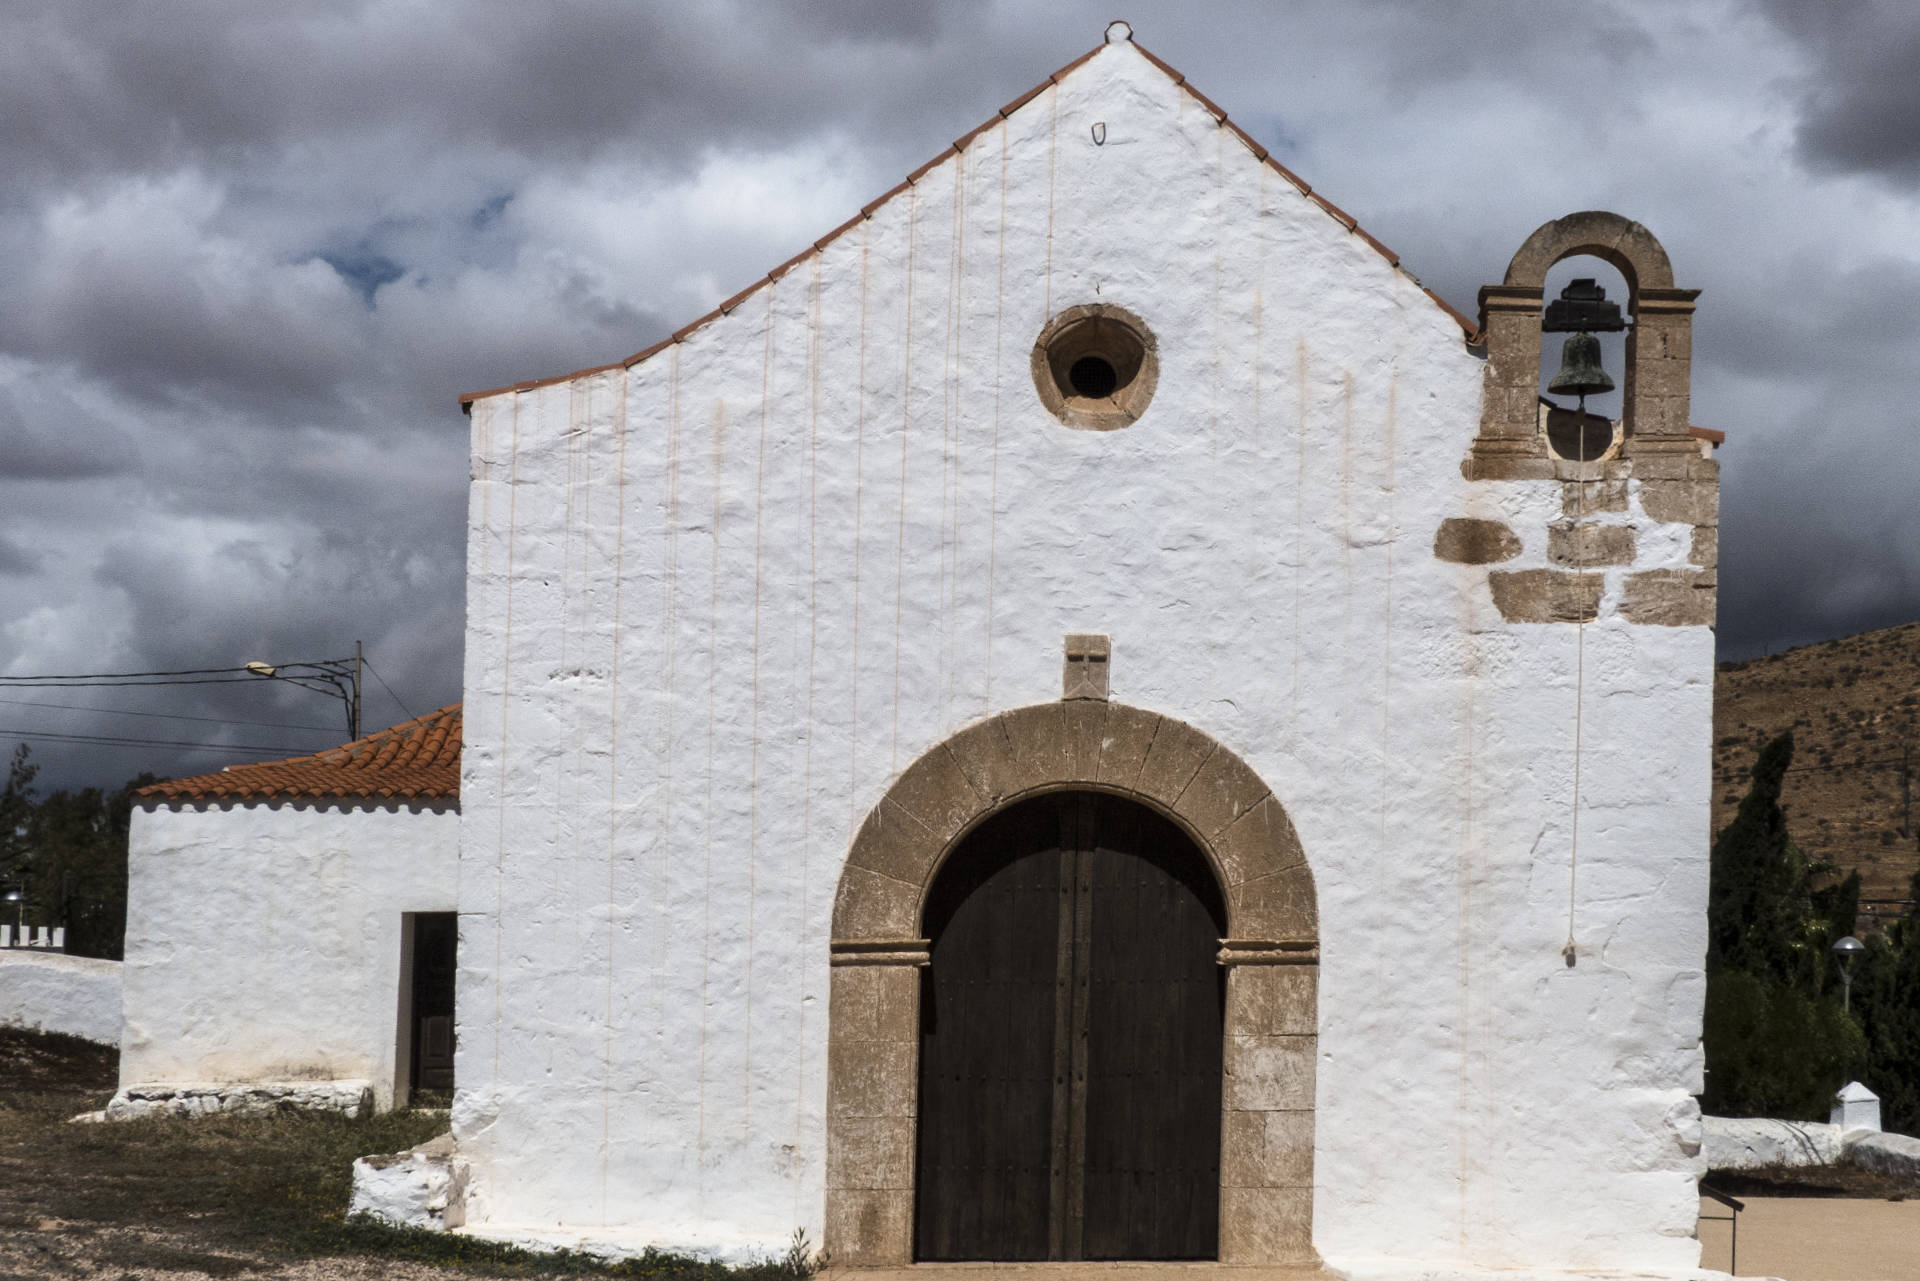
pixel 1089 716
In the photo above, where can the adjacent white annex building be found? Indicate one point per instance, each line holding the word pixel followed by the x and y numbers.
pixel 1093 643
pixel 284 923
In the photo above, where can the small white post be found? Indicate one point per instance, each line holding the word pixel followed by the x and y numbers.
pixel 59 938
pixel 39 936
pixel 1855 1107
pixel 6 936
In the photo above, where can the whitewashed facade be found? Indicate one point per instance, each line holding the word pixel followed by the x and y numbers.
pixel 722 596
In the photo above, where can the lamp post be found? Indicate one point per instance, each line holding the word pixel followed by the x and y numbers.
pixel 1844 951
pixel 19 900
pixel 335 677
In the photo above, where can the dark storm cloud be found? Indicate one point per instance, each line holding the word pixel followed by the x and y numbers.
pixel 98 85
pixel 16 560
pixel 1861 94
pixel 28 455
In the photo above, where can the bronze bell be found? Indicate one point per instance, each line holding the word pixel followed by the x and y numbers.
pixel 1580 372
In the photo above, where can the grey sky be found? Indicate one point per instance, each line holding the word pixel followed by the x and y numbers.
pixel 249 255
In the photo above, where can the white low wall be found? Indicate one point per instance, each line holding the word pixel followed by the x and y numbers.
pixel 52 992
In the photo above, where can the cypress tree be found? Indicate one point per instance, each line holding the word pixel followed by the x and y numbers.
pixel 1777 1042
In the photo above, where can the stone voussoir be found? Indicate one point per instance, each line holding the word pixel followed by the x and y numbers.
pixel 1127 736
pixel 1177 754
pixel 937 793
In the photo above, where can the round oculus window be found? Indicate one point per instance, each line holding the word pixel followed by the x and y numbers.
pixel 1095 367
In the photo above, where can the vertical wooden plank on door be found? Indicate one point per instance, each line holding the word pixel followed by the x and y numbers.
pixel 1154 1029
pixel 986 1046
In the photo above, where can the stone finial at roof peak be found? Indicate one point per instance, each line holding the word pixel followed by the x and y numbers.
pixel 1119 31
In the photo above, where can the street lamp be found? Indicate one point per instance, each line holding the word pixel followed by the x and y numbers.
pixel 19 900
pixel 335 677
pixel 1844 951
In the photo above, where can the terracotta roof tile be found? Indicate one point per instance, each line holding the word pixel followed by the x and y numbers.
pixel 840 231
pixel 782 269
pixel 679 335
pixel 1253 145
pixel 1205 101
pixel 1027 97
pixel 1306 188
pixel 1172 74
pixel 1708 434
pixel 726 308
pixel 866 210
pixel 1391 257
pixel 416 760
pixel 1471 330
pixel 1340 215
pixel 927 168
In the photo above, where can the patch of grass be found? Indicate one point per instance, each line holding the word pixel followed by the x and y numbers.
pixel 491 1258
pixel 225 1196
pixel 42 1061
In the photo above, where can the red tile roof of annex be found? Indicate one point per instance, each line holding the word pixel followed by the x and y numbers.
pixel 1339 215
pixel 415 760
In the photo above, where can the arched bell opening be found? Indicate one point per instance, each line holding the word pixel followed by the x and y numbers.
pixel 1656 358
pixel 1071 1039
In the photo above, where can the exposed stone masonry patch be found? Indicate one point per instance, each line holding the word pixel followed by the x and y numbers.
pixel 1590 497
pixel 1546 595
pixel 1670 597
pixel 1587 545
pixel 1466 540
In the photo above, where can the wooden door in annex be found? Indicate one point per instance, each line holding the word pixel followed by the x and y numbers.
pixel 1070 1045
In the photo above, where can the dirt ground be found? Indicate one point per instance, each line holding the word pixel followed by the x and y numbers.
pixel 1817 1239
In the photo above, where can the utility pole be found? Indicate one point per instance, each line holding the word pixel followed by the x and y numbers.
pixel 353 712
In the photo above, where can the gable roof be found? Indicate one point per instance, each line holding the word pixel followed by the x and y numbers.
pixel 415 760
pixel 1471 330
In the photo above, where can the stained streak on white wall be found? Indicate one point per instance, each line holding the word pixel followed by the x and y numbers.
pixel 263 940
pixel 900 547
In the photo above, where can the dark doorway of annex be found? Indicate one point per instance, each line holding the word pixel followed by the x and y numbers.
pixel 1070 1043
pixel 431 940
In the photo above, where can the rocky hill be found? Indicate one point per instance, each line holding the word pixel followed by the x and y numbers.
pixel 1854 707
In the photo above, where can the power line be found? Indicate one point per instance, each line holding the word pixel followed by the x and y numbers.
pixel 123 741
pixel 172 716
pixel 30 682
pixel 390 694
pixel 202 676
pixel 112 676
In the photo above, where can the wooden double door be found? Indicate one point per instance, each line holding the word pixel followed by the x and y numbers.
pixel 1070 1043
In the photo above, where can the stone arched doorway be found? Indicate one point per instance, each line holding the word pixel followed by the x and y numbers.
pixel 1269 951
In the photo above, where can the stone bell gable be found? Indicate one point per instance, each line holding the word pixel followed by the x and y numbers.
pixel 1105 475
